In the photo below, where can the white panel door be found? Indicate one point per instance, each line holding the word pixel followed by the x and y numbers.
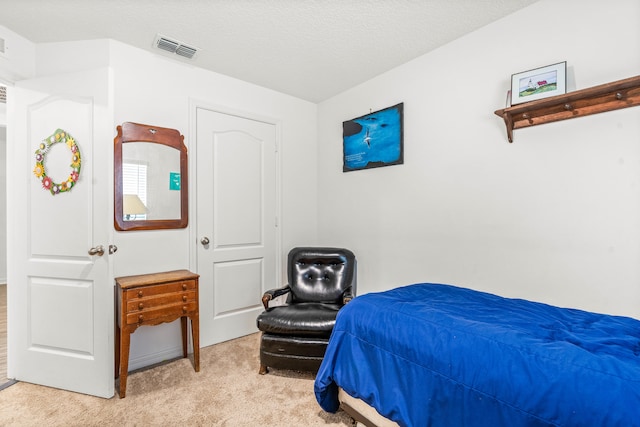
pixel 61 297
pixel 236 221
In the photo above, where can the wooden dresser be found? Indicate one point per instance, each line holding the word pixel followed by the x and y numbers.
pixel 151 299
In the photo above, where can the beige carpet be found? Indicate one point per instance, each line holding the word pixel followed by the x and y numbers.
pixel 228 391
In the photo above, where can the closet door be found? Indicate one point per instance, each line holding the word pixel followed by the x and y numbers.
pixel 236 221
pixel 60 299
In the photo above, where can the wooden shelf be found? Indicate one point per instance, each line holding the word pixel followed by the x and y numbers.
pixel 598 99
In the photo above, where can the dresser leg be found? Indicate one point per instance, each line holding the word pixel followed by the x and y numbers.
pixel 183 327
pixel 117 355
pixel 125 341
pixel 195 333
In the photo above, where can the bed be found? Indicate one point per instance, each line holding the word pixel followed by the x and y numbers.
pixel 441 355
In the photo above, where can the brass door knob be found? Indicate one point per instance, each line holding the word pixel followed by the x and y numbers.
pixel 98 250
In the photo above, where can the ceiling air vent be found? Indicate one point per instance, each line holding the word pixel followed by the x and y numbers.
pixel 186 51
pixel 166 44
pixel 3 95
pixel 174 46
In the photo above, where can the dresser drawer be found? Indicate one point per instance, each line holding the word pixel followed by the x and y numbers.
pixel 161 312
pixel 154 301
pixel 151 290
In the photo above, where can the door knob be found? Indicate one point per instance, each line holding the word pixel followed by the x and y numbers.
pixel 204 241
pixel 98 250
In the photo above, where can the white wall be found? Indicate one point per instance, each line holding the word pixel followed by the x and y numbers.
pixel 554 217
pixel 3 153
pixel 3 196
pixel 18 60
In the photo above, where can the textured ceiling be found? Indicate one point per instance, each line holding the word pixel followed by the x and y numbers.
pixel 311 49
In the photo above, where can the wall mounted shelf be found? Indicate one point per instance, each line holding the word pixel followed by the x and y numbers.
pixel 598 99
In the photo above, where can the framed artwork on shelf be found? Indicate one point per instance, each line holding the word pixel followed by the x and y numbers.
pixel 373 140
pixel 539 83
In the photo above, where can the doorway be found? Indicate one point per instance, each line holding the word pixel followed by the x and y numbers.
pixel 3 258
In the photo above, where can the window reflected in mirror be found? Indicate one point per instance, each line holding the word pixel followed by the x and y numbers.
pixel 134 187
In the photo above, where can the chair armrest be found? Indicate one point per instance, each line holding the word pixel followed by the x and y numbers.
pixel 347 296
pixel 274 293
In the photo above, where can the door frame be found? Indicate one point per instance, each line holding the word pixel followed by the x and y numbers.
pixel 192 151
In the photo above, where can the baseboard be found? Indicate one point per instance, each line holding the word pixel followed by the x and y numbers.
pixel 7 384
pixel 155 358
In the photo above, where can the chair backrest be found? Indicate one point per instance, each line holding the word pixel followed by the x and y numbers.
pixel 319 274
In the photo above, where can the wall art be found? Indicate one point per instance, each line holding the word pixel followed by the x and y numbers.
pixel 539 83
pixel 374 140
pixel 41 173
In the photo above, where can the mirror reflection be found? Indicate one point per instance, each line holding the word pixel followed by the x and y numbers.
pixel 150 171
pixel 150 182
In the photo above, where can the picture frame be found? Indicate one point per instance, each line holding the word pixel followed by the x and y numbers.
pixel 374 140
pixel 539 83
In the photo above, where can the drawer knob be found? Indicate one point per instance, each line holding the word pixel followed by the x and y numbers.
pixel 140 318
pixel 139 294
pixel 184 286
pixel 184 309
pixel 184 298
pixel 140 306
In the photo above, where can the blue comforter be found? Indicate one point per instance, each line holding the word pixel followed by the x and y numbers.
pixel 439 355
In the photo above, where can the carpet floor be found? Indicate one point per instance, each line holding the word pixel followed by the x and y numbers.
pixel 3 334
pixel 228 391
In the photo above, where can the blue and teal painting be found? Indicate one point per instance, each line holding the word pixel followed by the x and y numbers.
pixel 373 140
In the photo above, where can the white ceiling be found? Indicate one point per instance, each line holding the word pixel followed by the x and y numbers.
pixel 311 49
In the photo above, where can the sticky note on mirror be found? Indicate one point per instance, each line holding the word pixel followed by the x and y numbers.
pixel 174 180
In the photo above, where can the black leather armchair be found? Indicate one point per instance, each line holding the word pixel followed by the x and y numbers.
pixel 296 332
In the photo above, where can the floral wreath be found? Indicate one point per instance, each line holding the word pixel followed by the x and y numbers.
pixel 47 183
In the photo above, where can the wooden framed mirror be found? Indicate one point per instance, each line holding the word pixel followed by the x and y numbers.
pixel 150 178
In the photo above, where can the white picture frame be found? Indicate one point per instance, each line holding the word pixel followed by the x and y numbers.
pixel 539 83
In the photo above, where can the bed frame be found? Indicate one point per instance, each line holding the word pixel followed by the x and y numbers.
pixel 363 413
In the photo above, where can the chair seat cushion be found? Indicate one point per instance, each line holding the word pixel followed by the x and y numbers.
pixel 302 319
